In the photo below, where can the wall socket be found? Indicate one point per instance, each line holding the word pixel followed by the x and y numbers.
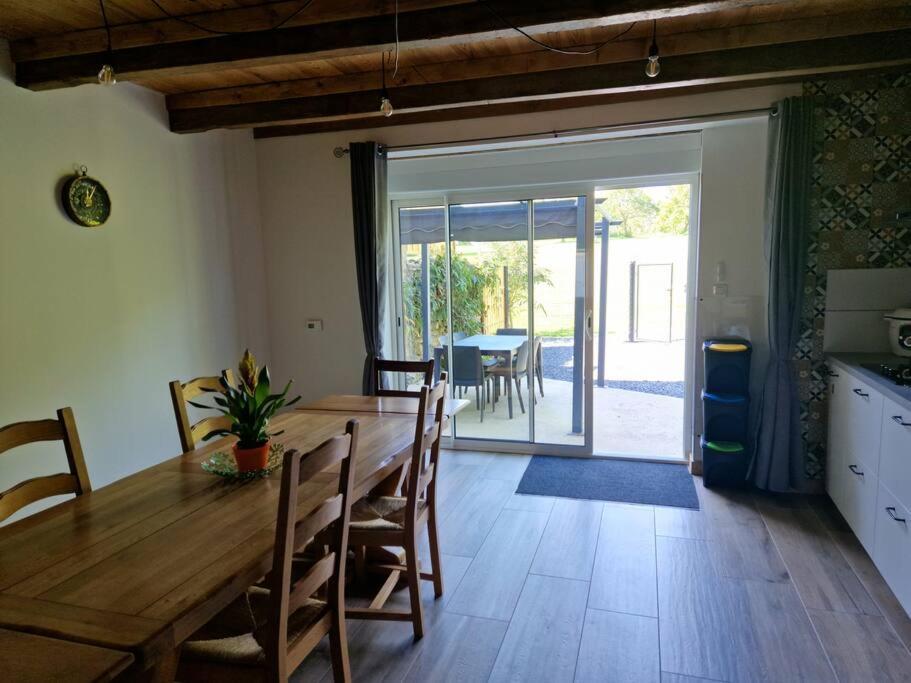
pixel 315 325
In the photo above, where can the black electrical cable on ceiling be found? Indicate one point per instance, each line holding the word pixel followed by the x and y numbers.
pixel 540 43
pixel 107 24
pixel 217 32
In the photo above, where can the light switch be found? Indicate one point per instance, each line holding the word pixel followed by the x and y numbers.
pixel 315 325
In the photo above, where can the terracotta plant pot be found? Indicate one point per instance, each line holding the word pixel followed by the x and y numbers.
pixel 252 459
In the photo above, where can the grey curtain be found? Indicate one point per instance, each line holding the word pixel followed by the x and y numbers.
pixel 778 461
pixel 368 202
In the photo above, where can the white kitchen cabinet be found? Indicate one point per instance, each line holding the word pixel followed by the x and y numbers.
pixel 892 553
pixel 836 455
pixel 869 473
pixel 895 451
pixel 863 426
pixel 858 504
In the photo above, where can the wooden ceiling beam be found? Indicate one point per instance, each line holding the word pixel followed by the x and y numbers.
pixel 769 33
pixel 802 58
pixel 160 30
pixel 499 109
pixel 455 24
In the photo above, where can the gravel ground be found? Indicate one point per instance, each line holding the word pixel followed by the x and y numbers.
pixel 558 357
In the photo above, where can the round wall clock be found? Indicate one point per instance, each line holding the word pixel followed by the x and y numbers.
pixel 85 200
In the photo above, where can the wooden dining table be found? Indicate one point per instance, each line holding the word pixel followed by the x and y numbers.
pixel 381 405
pixel 139 565
pixel 39 659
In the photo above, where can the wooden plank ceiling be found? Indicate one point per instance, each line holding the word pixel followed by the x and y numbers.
pixel 222 64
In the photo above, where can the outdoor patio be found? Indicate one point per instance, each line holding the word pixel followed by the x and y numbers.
pixel 639 411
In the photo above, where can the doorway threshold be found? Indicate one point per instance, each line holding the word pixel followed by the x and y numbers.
pixel 643 457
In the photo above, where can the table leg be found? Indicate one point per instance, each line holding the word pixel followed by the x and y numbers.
pixel 509 383
pixel 162 671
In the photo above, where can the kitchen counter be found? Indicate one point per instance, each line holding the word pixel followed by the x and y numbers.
pixel 853 363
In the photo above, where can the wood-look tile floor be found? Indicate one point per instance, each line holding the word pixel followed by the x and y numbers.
pixel 748 588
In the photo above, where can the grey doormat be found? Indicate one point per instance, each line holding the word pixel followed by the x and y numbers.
pixel 624 481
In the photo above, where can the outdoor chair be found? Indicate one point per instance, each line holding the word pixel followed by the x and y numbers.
pixel 468 371
pixel 512 375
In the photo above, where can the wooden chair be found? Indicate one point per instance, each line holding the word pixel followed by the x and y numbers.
pixel 180 394
pixel 397 520
pixel 422 367
pixel 287 621
pixel 62 429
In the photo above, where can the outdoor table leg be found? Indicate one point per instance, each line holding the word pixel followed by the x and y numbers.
pixel 509 383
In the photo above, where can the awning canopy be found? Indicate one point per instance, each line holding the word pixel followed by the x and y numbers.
pixel 494 222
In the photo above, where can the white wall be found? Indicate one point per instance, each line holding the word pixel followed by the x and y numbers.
pixel 731 231
pixel 306 218
pixel 102 319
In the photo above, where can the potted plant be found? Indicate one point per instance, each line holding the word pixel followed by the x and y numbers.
pixel 249 406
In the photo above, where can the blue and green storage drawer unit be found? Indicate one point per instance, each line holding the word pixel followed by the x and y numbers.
pixel 725 411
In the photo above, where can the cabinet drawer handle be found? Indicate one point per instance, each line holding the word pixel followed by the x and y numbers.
pixel 861 393
pixel 854 469
pixel 898 420
pixel 891 511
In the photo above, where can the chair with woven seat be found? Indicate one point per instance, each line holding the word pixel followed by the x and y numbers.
pixel 419 367
pixel 396 521
pixel 267 633
pixel 75 481
pixel 181 393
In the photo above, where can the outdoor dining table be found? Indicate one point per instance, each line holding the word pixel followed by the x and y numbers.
pixel 503 346
pixel 139 565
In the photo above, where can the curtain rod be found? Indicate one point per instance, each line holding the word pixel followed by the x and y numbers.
pixel 339 152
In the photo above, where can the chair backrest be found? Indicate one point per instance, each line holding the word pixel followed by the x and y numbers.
pixel 187 391
pixel 62 429
pixel 467 367
pixel 421 367
pixel 329 520
pixel 522 357
pixel 456 336
pixel 428 434
pixel 513 331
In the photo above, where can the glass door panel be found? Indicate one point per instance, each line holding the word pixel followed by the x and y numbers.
pixel 424 286
pixel 488 351
pixel 556 377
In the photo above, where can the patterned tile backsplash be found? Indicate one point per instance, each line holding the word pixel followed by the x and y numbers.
pixel 861 178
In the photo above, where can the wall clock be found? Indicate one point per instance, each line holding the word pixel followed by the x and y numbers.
pixel 85 200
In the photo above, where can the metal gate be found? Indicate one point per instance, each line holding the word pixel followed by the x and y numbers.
pixel 651 301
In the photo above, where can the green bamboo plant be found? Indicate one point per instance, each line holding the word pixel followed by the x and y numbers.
pixel 248 405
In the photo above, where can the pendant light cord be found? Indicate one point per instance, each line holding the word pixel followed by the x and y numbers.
pixel 107 27
pixel 551 48
pixel 306 3
pixel 395 71
pixel 219 32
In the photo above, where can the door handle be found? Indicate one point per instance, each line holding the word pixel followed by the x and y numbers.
pixel 891 511
pixel 897 419
pixel 589 325
pixel 856 471
pixel 861 393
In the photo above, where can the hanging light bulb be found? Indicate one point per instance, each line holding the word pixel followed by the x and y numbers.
pixel 386 107
pixel 652 67
pixel 106 75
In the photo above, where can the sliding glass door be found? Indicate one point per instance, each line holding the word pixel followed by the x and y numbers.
pixel 497 290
